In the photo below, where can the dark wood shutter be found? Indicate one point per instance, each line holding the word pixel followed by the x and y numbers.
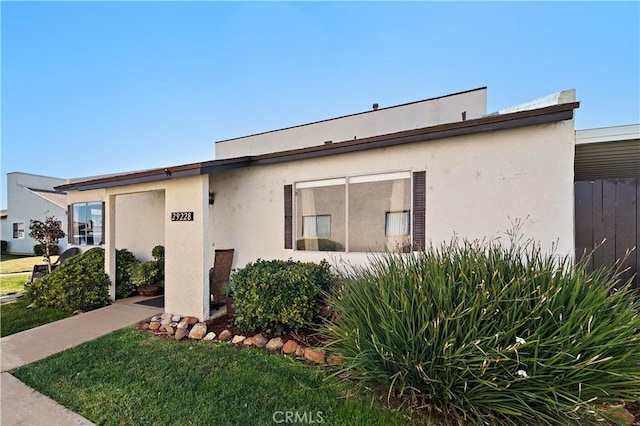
pixel 419 209
pixel 288 216
pixel 70 224
pixel 104 221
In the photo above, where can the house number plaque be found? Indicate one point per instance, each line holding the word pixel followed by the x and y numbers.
pixel 181 216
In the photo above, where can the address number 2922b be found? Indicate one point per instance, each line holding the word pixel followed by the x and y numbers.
pixel 181 216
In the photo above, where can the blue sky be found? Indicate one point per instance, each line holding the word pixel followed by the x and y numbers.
pixel 92 88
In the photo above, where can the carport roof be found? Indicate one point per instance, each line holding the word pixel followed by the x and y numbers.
pixel 488 123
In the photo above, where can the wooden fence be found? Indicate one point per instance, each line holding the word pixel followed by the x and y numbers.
pixel 607 223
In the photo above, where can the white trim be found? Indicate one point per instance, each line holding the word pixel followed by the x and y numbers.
pixel 319 183
pixel 380 177
pixel 608 134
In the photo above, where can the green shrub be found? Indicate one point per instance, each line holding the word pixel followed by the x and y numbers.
pixel 486 334
pixel 144 273
pixel 4 246
pixel 124 286
pixel 38 250
pixel 278 295
pixel 80 283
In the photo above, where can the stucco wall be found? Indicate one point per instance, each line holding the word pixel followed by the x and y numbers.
pixel 140 222
pixel 386 120
pixel 477 186
pixel 23 205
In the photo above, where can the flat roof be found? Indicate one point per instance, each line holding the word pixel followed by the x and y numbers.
pixel 494 122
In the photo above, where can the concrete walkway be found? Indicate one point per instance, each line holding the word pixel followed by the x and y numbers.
pixel 20 404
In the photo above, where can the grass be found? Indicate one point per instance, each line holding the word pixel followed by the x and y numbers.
pixel 10 263
pixel 11 284
pixel 16 317
pixel 131 378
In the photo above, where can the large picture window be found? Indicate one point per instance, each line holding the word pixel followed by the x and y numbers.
pixel 18 230
pixel 320 215
pixel 358 214
pixel 87 223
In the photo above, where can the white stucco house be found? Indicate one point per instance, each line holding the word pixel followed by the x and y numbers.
pixel 401 178
pixel 30 197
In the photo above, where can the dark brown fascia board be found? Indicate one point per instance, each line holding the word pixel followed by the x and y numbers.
pixel 352 115
pixel 489 123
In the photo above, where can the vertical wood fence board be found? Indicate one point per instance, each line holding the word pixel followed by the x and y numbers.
pixel 609 221
pixel 626 226
pixel 584 220
pixel 598 227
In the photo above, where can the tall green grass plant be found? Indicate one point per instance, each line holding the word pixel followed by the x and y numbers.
pixel 480 333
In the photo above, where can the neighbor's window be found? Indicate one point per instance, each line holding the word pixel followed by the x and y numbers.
pixel 318 226
pixel 87 223
pixel 379 208
pixel 396 223
pixel 18 230
pixel 320 215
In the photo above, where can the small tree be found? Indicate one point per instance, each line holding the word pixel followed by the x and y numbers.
pixel 46 233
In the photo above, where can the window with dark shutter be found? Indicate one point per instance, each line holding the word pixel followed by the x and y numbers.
pixel 419 209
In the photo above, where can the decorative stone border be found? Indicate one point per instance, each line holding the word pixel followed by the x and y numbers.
pixel 178 327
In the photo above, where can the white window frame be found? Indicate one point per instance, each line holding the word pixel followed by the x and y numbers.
pixel 347 180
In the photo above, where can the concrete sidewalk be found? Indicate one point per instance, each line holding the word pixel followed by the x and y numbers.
pixel 22 405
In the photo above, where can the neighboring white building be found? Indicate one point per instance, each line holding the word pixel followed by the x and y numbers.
pixel 30 197
pixel 400 178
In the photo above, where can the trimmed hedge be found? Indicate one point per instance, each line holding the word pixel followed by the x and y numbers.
pixel 278 295
pixel 38 250
pixel 80 283
pixel 124 260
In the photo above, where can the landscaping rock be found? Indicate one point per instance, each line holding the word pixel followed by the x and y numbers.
pixel 157 318
pixel 154 326
pixel 249 341
pixel 165 321
pixel 190 320
pixel 237 339
pixel 145 326
pixel 300 351
pixel 78 312
pixel 198 331
pixel 314 355
pixel 260 341
pixel 275 344
pixel 225 335
pixel 290 347
pixel 166 315
pixel 174 324
pixel 620 413
pixel 183 325
pixel 170 330
pixel 175 318
pixel 210 336
pixel 181 333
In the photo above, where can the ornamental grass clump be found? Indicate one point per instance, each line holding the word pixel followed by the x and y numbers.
pixel 480 333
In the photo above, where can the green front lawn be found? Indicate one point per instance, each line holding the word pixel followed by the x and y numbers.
pixel 16 317
pixel 11 284
pixel 10 264
pixel 131 378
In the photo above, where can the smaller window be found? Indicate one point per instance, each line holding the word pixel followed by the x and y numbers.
pixel 396 223
pixel 18 230
pixel 316 226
